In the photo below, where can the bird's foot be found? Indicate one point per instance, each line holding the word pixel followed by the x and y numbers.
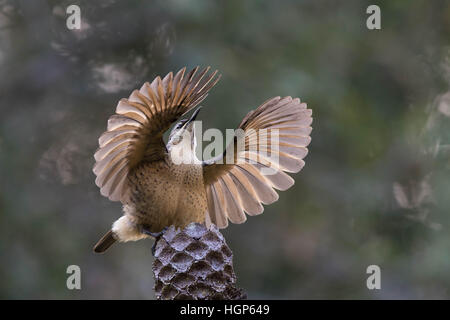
pixel 156 235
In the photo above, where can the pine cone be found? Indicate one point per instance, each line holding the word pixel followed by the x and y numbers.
pixel 194 263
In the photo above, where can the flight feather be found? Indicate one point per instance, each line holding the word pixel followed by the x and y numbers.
pixel 273 140
pixel 135 132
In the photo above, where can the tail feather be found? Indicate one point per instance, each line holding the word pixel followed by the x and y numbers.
pixel 105 242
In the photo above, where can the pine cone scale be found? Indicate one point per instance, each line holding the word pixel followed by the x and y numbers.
pixel 194 263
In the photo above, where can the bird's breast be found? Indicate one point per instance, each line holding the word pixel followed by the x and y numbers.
pixel 164 194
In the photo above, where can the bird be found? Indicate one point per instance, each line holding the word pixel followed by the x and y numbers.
pixel 163 184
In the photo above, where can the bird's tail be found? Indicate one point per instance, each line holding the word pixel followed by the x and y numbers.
pixel 105 242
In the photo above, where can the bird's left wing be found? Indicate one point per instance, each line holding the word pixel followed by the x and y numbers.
pixel 135 133
pixel 274 139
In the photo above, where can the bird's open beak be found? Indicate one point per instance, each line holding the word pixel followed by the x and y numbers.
pixel 194 115
pixel 191 119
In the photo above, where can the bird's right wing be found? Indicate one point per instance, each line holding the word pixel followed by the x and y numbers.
pixel 135 132
pixel 273 140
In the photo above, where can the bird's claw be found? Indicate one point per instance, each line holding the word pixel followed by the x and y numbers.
pixel 156 235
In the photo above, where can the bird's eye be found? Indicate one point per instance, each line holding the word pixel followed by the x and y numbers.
pixel 177 139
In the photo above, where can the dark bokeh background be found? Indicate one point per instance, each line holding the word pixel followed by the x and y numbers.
pixel 375 188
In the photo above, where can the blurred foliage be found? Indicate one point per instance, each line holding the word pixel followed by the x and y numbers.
pixel 376 182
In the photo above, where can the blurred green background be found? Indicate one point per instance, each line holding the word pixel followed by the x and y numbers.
pixel 375 188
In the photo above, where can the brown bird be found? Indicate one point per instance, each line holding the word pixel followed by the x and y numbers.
pixel 161 185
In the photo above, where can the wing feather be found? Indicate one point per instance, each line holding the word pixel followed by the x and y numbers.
pixel 276 137
pixel 134 134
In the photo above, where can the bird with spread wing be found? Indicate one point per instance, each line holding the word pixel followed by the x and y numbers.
pixel 162 184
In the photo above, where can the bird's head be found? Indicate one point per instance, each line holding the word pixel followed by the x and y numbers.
pixel 182 141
